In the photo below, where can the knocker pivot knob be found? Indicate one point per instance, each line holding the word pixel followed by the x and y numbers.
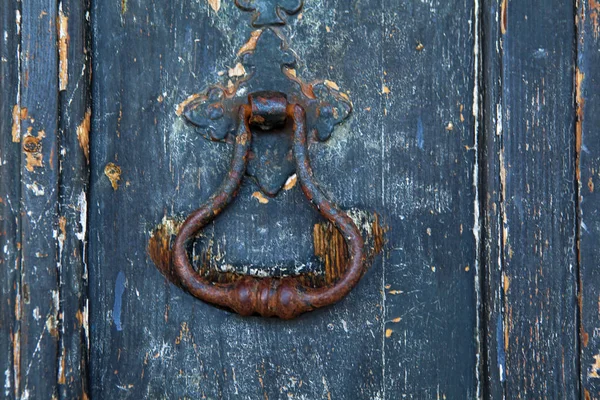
pixel 268 109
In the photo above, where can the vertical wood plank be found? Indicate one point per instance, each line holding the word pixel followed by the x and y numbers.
pixel 38 297
pixel 149 338
pixel 536 331
pixel 10 156
pixel 494 353
pixel 74 74
pixel 588 175
pixel 429 146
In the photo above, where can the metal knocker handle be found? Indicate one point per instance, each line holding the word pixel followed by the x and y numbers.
pixel 280 297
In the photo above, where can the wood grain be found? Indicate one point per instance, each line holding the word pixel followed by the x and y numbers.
pixel 588 148
pixel 74 131
pixel 10 221
pixel 38 296
pixel 531 312
pixel 473 137
pixel 429 198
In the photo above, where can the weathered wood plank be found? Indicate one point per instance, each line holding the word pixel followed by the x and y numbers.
pixel 494 354
pixel 429 148
pixel 536 331
pixel 10 172
pixel 588 176
pixel 148 337
pixel 75 121
pixel 38 297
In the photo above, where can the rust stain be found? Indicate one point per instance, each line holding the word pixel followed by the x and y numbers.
pixel 32 147
pixel 83 134
pixel 250 45
pixel 388 332
pixel 123 7
pixel 396 320
pixel 18 114
pixel 506 283
pixel 181 107
pixel 113 173
pixel 419 46
pixel 63 49
pixel 215 5
pixel 260 197
pixel 504 16
pixel 591 185
pixel 159 246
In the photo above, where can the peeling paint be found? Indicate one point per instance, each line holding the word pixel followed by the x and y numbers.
pixel 291 182
pixel 113 173
pixel 63 48
pixel 260 197
pixel 18 114
pixel 83 134
pixel 32 147
pixel 215 5
pixel 250 45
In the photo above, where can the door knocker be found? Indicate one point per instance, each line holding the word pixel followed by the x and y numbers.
pixel 269 99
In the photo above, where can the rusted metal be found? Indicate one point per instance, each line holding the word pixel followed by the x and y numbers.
pixel 269 71
pixel 270 297
pixel 268 109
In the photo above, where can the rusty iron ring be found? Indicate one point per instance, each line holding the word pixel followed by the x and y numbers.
pixel 285 297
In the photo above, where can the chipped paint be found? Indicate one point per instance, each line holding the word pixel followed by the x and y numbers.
pixel 181 106
pixel 332 85
pixel 215 5
pixel 594 370
pixel 113 173
pixel 237 71
pixel 504 16
pixel 594 17
pixel 36 189
pixel 291 182
pixel 32 147
pixel 18 114
pixel 260 197
pixel 83 134
pixel 63 48
pixel 250 45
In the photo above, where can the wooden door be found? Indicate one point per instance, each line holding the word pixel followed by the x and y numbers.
pixel 469 160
